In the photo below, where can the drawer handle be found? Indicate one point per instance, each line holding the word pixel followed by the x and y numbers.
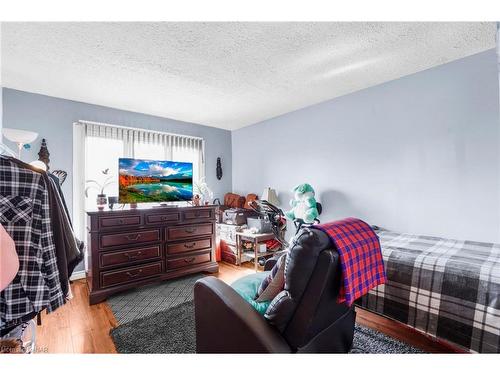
pixel 131 257
pixel 164 218
pixel 190 230
pixel 130 237
pixel 121 221
pixel 190 260
pixel 193 244
pixel 132 275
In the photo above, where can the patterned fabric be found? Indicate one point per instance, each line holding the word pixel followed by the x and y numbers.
pixel 273 283
pixel 24 213
pixel 446 288
pixel 15 209
pixel 147 300
pixel 360 257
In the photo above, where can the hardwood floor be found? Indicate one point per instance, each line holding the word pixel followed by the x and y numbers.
pixel 77 327
pixel 404 333
pixel 80 328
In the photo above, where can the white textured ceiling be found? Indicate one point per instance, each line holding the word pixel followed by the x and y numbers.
pixel 226 75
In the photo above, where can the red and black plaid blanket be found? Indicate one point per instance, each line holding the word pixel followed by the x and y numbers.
pixel 360 257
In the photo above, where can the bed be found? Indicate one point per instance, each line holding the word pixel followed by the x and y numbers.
pixel 446 288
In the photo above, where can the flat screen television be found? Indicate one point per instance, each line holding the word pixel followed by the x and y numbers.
pixel 142 181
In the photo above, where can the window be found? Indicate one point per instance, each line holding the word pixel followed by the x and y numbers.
pixel 189 155
pixel 155 151
pixel 152 151
pixel 97 148
pixel 101 154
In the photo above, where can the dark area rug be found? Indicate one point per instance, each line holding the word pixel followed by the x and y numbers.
pixel 144 301
pixel 367 340
pixel 173 331
pixel 170 331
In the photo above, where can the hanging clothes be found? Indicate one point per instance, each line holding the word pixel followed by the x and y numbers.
pixel 25 215
pixel 9 261
pixel 69 251
pixel 58 184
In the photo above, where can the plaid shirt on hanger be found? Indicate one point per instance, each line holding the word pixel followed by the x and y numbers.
pixel 24 213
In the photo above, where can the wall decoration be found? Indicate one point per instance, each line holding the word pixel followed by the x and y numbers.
pixel 44 154
pixel 219 169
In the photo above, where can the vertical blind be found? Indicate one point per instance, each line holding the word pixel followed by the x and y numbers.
pixel 172 143
pixel 136 143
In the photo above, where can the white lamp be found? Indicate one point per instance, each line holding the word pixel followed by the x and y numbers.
pixel 20 137
pixel 270 196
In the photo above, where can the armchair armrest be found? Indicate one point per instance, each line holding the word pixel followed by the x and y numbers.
pixel 226 323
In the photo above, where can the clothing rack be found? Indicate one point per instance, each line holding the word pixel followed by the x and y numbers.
pixel 40 289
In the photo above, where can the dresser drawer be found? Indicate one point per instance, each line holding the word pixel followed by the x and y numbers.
pixel 129 238
pixel 187 246
pixel 188 261
pixel 120 258
pixel 189 231
pixel 118 221
pixel 130 274
pixel 198 213
pixel 162 218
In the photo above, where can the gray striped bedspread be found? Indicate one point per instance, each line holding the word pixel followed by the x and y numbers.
pixel 446 288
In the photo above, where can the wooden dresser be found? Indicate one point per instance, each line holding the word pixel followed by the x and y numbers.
pixel 133 247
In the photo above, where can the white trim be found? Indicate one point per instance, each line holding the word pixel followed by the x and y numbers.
pixel 498 72
pixel 79 180
pixel 78 275
pixel 79 217
pixel 81 122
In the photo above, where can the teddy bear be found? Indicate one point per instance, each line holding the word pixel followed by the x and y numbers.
pixel 303 204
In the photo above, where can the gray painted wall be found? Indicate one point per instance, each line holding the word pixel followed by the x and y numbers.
pixel 419 154
pixel 53 119
pixel 1 111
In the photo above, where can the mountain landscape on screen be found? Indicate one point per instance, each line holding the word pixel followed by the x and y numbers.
pixel 154 181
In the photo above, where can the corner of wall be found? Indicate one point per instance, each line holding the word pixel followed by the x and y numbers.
pixel 232 160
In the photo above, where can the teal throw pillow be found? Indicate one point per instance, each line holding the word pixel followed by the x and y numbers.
pixel 247 287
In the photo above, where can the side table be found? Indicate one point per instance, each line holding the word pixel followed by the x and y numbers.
pixel 256 238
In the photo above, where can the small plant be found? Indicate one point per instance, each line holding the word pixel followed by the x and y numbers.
pixel 93 184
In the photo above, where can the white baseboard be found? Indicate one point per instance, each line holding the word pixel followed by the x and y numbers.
pixel 78 275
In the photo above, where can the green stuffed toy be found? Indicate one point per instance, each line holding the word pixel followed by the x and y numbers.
pixel 303 205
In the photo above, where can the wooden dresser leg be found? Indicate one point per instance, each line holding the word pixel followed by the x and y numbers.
pixel 95 298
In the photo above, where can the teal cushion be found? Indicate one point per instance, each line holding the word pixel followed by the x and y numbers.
pixel 247 288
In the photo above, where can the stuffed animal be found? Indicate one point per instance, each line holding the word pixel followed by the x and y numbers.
pixel 303 205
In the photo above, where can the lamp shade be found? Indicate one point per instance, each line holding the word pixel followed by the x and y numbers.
pixel 19 136
pixel 38 164
pixel 270 196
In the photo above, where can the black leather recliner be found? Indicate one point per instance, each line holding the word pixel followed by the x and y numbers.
pixel 304 318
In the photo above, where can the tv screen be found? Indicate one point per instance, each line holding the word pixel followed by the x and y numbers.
pixel 142 181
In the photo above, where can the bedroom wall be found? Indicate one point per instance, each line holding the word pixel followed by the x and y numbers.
pixel 1 111
pixel 419 154
pixel 53 119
